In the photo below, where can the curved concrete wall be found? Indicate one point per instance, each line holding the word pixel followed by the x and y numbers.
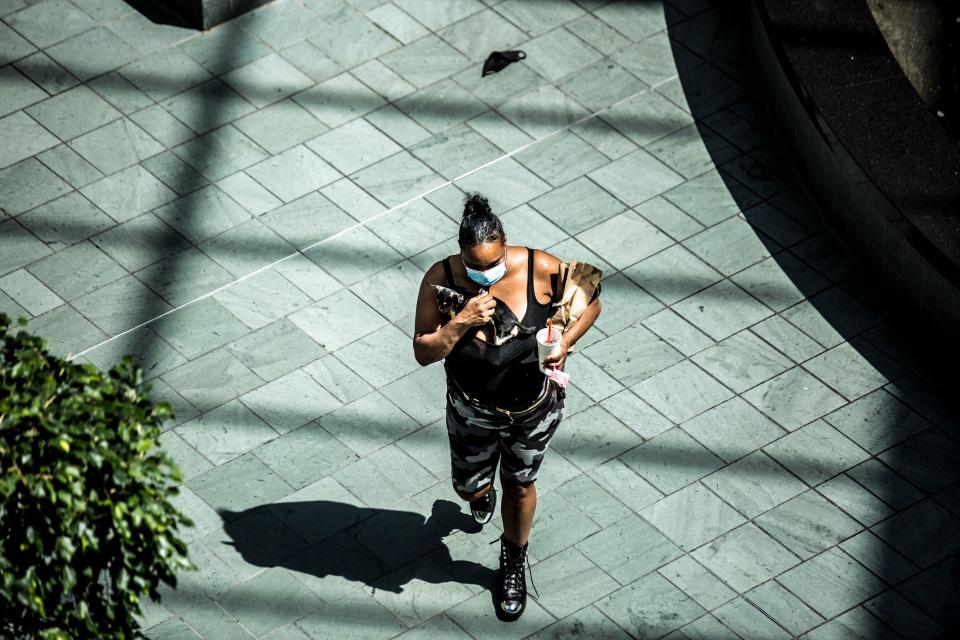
pixel 885 241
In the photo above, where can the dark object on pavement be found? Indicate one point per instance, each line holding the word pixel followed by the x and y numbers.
pixel 500 59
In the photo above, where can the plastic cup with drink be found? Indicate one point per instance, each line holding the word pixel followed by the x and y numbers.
pixel 548 344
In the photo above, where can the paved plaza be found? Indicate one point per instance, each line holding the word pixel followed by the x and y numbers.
pixel 750 449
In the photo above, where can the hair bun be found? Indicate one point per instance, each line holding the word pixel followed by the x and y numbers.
pixel 479 224
pixel 476 205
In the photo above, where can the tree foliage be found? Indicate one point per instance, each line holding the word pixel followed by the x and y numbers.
pixel 87 524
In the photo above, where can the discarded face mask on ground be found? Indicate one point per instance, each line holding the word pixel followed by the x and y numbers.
pixel 498 60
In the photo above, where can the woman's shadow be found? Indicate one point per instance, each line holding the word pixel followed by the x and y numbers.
pixel 377 547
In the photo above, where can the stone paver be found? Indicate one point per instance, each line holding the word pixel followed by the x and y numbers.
pixel 748 449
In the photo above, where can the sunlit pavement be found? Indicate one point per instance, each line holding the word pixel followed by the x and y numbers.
pixel 748 448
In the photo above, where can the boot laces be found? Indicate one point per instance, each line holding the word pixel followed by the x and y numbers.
pixel 512 575
pixel 513 571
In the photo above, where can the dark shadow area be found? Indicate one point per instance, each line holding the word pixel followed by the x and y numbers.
pixel 915 474
pixel 168 248
pixel 193 14
pixel 160 12
pixel 375 547
pixel 864 134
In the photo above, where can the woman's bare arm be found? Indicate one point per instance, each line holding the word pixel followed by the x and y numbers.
pixel 550 265
pixel 579 326
pixel 433 338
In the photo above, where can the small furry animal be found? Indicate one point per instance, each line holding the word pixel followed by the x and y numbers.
pixel 505 323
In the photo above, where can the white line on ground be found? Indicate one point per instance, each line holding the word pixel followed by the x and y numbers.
pixel 364 222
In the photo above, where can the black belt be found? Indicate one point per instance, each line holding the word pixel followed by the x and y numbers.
pixel 510 413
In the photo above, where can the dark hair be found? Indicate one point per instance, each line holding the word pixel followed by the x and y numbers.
pixel 479 223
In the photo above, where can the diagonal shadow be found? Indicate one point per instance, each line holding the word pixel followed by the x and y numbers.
pixel 203 155
pixel 363 102
pixel 170 245
pixel 241 91
pixel 621 444
pixel 700 105
pixel 667 282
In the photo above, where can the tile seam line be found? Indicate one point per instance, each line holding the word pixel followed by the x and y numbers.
pixel 364 223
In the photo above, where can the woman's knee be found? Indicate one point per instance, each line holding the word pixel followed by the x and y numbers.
pixel 519 491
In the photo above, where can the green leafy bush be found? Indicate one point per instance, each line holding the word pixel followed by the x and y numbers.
pixel 87 524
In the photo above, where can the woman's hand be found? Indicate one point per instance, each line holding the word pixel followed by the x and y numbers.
pixel 558 359
pixel 478 310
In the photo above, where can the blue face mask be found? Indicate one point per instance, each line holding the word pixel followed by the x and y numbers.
pixel 491 275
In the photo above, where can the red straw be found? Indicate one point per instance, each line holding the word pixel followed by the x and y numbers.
pixel 549 328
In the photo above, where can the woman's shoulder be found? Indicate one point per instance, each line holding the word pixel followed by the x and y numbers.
pixel 435 274
pixel 545 262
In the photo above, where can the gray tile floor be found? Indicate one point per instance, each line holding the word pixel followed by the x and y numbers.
pixel 749 450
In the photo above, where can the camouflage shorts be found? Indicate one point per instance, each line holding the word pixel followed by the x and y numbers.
pixel 480 439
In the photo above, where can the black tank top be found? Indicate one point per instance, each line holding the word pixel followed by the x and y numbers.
pixel 506 376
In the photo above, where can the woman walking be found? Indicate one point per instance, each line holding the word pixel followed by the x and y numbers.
pixel 479 312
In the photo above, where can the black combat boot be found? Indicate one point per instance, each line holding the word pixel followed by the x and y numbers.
pixel 511 580
pixel 483 507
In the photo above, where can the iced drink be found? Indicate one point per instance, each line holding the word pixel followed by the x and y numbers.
pixel 545 348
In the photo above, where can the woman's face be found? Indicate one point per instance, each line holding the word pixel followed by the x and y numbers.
pixel 484 256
